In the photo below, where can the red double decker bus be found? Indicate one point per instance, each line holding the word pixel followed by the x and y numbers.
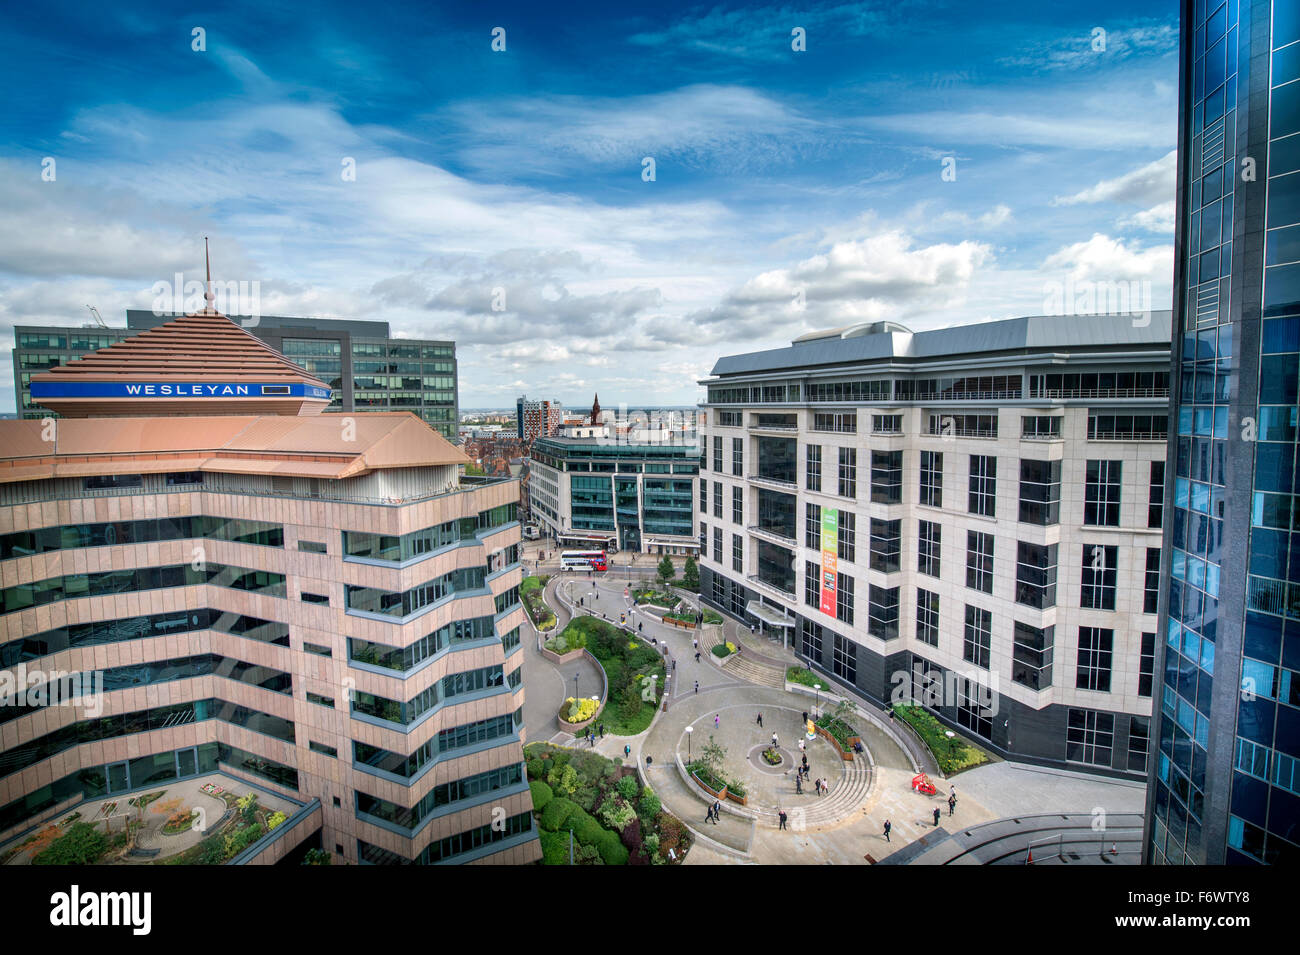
pixel 583 560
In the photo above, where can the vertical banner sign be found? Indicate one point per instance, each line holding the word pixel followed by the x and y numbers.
pixel 830 549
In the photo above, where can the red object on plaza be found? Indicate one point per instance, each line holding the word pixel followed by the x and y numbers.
pixel 921 783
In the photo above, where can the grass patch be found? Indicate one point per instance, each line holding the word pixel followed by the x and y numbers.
pixel 805 677
pixel 952 757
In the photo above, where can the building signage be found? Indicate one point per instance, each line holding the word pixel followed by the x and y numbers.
pixel 830 544
pixel 174 389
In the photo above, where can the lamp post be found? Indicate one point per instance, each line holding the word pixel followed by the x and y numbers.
pixel 817 688
pixel 952 740
pixel 689 731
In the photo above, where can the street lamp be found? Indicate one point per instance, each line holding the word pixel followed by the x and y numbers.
pixel 689 731
pixel 817 687
pixel 952 741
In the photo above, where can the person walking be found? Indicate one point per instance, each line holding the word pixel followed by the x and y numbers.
pixel 627 751
pixel 798 784
pixel 773 739
pixel 639 626
pixel 697 686
pixel 717 811
pixel 708 815
pixel 888 826
pixel 781 815
pixel 760 719
pixel 715 720
pixel 952 804
pixel 695 644
pixel 602 730
pixel 697 656
pixel 936 815
pixel 801 748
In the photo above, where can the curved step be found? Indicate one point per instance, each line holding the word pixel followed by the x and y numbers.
pixel 758 673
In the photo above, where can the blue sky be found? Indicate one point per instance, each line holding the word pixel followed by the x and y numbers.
pixel 792 190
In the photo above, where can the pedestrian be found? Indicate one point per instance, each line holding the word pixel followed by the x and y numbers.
pixel 952 791
pixel 695 643
pixel 826 787
pixel 781 816
pixel 674 664
pixel 805 718
pixel 627 750
pixel 697 686
pixel 715 721
pixel 697 656
pixel 798 783
pixel 888 826
pixel 751 629
pixel 936 815
pixel 773 739
pixel 801 745
pixel 640 626
pixel 602 730
pixel 952 804
pixel 760 719
pixel 708 815
pixel 717 811
pixel 891 714
pixel 817 785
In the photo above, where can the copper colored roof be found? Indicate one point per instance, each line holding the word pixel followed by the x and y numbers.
pixel 319 446
pixel 174 361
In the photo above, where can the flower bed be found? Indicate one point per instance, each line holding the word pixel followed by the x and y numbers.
pixel 840 735
pixel 952 756
pixel 772 757
pixel 724 650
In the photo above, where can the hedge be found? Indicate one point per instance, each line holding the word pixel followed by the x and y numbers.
pixel 611 848
pixel 556 812
pixel 555 848
pixel 542 795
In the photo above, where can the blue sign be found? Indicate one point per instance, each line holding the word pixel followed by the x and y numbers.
pixel 171 389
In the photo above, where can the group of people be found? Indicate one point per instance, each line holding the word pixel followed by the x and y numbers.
pixel 591 734
pixel 715 811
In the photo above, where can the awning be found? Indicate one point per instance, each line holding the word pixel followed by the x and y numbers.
pixel 770 615
pixel 674 541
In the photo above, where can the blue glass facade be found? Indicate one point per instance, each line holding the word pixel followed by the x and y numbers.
pixel 1225 786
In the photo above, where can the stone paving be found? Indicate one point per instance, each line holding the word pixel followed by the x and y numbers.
pixel 850 831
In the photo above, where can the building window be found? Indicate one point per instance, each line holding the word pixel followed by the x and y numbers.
pixel 811 639
pixel 311 547
pixel 1096 645
pixel 845 422
pixel 885 545
pixel 978 637
pixel 321 748
pixel 704 539
pixel 738 457
pixel 847 547
pixel 1099 577
pixel 320 700
pixel 844 598
pixel 1147 664
pixel 812 526
pixel 848 472
pixel 704 496
pixel 704 452
pixel 717 499
pixel 813 466
pixel 717 545
pixel 1040 492
pixel 927 617
pixel 1151 593
pixel 1040 427
pixel 1036 575
pixel 964 425
pixel 1031 656
pixel 886 477
pixel 932 478
pixel 844 660
pixel 975 707
pixel 1089 737
pixel 928 547
pixel 738 505
pixel 737 552
pixel 887 424
pixel 882 612
pixel 1139 740
pixel 1101 494
pixel 979 561
pixel 812 584
pixel 717 453
pixel 1156 495
pixel 983 484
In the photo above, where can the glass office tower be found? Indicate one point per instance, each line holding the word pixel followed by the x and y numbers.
pixel 1225 784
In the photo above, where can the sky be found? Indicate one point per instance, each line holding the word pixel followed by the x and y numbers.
pixel 607 201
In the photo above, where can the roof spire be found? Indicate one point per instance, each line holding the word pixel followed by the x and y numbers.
pixel 207 259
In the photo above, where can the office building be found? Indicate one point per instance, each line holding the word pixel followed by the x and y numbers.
pixel 967 517
pixel 365 368
pixel 537 419
pixel 317 604
pixel 1225 780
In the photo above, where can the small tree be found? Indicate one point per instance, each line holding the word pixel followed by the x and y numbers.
pixel 691 574
pixel 712 755
pixel 666 569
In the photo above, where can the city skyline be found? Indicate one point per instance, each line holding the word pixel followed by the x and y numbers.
pixel 967 168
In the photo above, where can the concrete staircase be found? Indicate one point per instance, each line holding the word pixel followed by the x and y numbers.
pixel 848 793
pixel 751 671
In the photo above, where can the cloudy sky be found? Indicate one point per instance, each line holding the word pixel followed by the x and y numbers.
pixel 930 163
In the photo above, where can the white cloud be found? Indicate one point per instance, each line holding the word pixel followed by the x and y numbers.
pixel 1104 259
pixel 1153 183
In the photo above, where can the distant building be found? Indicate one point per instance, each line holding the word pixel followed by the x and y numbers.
pixel 537 419
pixel 365 368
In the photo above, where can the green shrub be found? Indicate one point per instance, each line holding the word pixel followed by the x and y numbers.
pixel 555 814
pixel 612 849
pixel 555 848
pixel 586 829
pixel 627 787
pixel 586 797
pixel 535 770
pixel 615 813
pixel 82 844
pixel 547 765
pixel 650 804
pixel 542 794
